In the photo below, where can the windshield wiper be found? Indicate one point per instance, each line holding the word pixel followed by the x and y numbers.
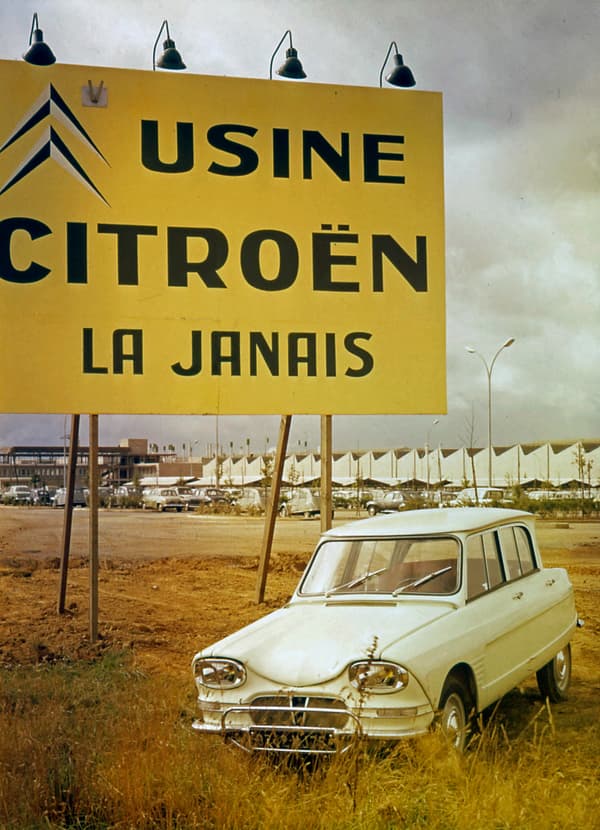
pixel 416 583
pixel 356 581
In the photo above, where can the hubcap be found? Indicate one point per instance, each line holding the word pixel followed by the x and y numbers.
pixel 561 668
pixel 454 721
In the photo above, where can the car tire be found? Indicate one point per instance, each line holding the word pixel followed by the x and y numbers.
pixel 371 510
pixel 554 678
pixel 454 716
pixel 159 507
pixel 283 511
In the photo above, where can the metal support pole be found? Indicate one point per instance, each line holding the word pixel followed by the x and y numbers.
pixel 272 506
pixel 93 529
pixel 326 473
pixel 68 515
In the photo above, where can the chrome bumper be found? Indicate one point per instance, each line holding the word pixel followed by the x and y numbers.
pixel 301 730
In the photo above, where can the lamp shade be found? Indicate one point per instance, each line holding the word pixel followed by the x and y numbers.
pixel 39 53
pixel 401 75
pixel 170 58
pixel 291 67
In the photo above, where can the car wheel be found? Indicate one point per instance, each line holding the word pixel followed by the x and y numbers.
pixel 371 511
pixel 283 511
pixel 554 678
pixel 159 507
pixel 454 716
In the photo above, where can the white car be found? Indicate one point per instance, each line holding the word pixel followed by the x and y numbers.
pixel 399 621
pixel 480 496
pixel 162 498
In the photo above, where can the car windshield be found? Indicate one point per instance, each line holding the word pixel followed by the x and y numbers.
pixel 384 566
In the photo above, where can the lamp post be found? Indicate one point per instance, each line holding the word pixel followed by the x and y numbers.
pixel 488 368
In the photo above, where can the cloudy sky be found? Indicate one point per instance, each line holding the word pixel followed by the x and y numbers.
pixel 521 84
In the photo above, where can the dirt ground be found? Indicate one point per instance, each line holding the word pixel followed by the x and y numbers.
pixel 170 584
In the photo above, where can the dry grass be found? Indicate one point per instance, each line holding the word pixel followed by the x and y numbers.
pixel 100 745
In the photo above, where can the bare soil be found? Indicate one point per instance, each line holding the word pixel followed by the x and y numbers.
pixel 170 584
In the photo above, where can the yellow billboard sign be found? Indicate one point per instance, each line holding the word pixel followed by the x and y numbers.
pixel 193 244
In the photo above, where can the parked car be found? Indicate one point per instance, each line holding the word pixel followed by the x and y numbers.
pixel 18 494
pixel 60 497
pixel 162 498
pixel 216 495
pixel 301 501
pixel 398 623
pixel 249 500
pixel 391 502
pixel 193 498
pixel 44 495
pixel 479 496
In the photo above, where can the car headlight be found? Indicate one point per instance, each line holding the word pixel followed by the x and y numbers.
pixel 218 672
pixel 378 676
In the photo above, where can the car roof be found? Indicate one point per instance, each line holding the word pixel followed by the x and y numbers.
pixel 431 521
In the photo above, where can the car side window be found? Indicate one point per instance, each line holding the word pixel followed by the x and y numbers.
pixel 517 551
pixel 525 550
pixel 483 566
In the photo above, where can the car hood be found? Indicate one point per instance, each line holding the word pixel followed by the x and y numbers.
pixel 307 644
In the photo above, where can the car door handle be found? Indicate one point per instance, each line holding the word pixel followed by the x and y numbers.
pixel 550 582
pixel 518 595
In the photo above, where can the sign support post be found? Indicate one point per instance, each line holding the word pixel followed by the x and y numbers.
pixel 326 472
pixel 68 517
pixel 272 505
pixel 93 528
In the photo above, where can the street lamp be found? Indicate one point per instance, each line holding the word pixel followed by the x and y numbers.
pixel 39 53
pixel 170 58
pixel 291 67
pixel 488 368
pixel 401 75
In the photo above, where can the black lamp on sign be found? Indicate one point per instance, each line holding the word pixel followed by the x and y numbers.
pixel 39 53
pixel 170 58
pixel 401 74
pixel 291 67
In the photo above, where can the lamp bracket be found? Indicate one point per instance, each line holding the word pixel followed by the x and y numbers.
pixel 92 96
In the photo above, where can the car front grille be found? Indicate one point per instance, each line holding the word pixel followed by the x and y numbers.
pixel 305 711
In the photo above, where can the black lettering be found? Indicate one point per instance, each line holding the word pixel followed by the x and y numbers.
pixel 218 355
pixel 338 162
pixel 413 271
pixel 268 352
pixel 77 252
pixel 295 358
pixel 184 160
pixel 324 259
pixel 330 356
pixel 196 365
pixel 288 260
pixel 34 272
pixel 363 355
pixel 127 249
pixel 88 355
pixel 135 355
pixel 372 156
pixel 281 153
pixel 180 267
pixel 248 158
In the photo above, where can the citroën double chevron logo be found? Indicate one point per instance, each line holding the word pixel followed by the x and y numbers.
pixel 51 145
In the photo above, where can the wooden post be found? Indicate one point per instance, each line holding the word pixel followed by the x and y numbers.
pixel 93 529
pixel 272 507
pixel 68 515
pixel 326 473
